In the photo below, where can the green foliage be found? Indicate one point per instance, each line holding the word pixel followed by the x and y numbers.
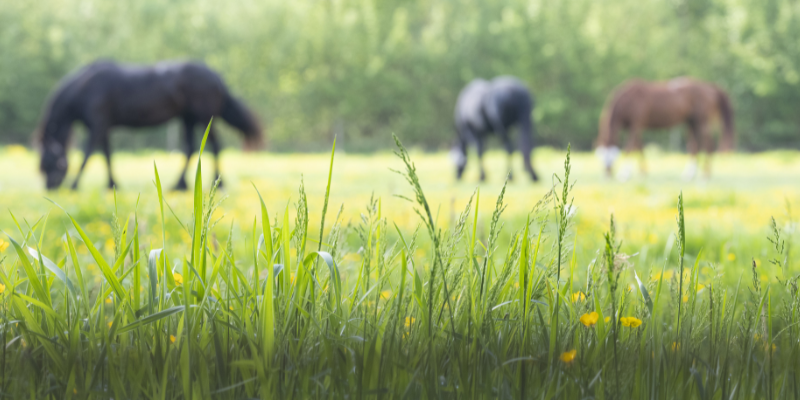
pixel 360 69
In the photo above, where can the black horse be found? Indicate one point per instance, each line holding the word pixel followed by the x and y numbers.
pixel 105 94
pixel 484 108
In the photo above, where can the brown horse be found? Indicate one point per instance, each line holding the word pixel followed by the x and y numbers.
pixel 638 105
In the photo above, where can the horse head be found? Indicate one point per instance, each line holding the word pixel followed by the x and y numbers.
pixel 54 154
pixel 235 113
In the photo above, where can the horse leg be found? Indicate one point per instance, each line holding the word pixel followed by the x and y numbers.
pixel 633 144
pixel 639 145
pixel 215 148
pixel 106 143
pixel 509 153
pixel 88 148
pixel 692 147
pixel 188 134
pixel 459 155
pixel 526 146
pixel 708 148
pixel 480 147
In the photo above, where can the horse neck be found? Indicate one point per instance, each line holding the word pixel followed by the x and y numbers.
pixel 57 124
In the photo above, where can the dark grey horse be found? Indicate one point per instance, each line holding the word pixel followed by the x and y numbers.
pixel 486 107
pixel 105 94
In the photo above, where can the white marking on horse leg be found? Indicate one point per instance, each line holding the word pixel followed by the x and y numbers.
pixel 458 158
pixel 691 170
pixel 607 154
pixel 627 172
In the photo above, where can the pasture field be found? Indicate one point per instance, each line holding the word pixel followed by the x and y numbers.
pixel 391 303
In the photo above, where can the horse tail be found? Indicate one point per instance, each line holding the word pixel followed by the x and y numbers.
pixel 726 112
pixel 239 116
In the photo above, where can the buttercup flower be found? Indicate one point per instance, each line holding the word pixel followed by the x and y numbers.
pixel 172 338
pixel 2 288
pixel 178 278
pixel 590 319
pixel 631 322
pixel 409 321
pixel 568 356
pixel 3 245
pixel 578 296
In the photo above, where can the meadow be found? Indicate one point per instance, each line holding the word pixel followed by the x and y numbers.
pixel 394 284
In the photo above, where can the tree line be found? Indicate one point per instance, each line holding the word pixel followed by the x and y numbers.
pixel 362 69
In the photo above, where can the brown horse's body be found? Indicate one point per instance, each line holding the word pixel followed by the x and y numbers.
pixel 640 105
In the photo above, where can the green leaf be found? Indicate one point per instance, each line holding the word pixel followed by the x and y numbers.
pixel 55 270
pixel 150 319
pixel 38 288
pixel 643 291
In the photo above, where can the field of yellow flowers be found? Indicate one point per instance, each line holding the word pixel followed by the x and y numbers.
pixel 333 276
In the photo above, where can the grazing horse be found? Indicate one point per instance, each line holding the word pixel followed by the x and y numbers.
pixel 638 105
pixel 484 108
pixel 105 94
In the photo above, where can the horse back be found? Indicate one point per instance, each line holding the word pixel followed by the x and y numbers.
pixel 136 96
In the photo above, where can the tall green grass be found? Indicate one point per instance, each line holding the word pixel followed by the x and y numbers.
pixel 467 318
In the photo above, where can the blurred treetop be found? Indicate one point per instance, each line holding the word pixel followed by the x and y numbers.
pixel 362 69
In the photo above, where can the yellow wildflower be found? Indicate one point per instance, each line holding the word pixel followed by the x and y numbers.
pixel 578 296
pixel 685 299
pixel 731 257
pixel 568 356
pixel 2 288
pixel 676 346
pixel 110 323
pixel 108 300
pixel 3 245
pixel 700 287
pixel 607 319
pixel 631 322
pixel 178 278
pixel 172 338
pixel 590 319
pixel 386 294
pixel 409 321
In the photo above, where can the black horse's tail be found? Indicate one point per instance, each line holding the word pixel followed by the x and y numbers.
pixel 235 113
pixel 726 112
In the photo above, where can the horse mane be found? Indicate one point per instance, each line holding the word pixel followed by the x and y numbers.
pixel 58 96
